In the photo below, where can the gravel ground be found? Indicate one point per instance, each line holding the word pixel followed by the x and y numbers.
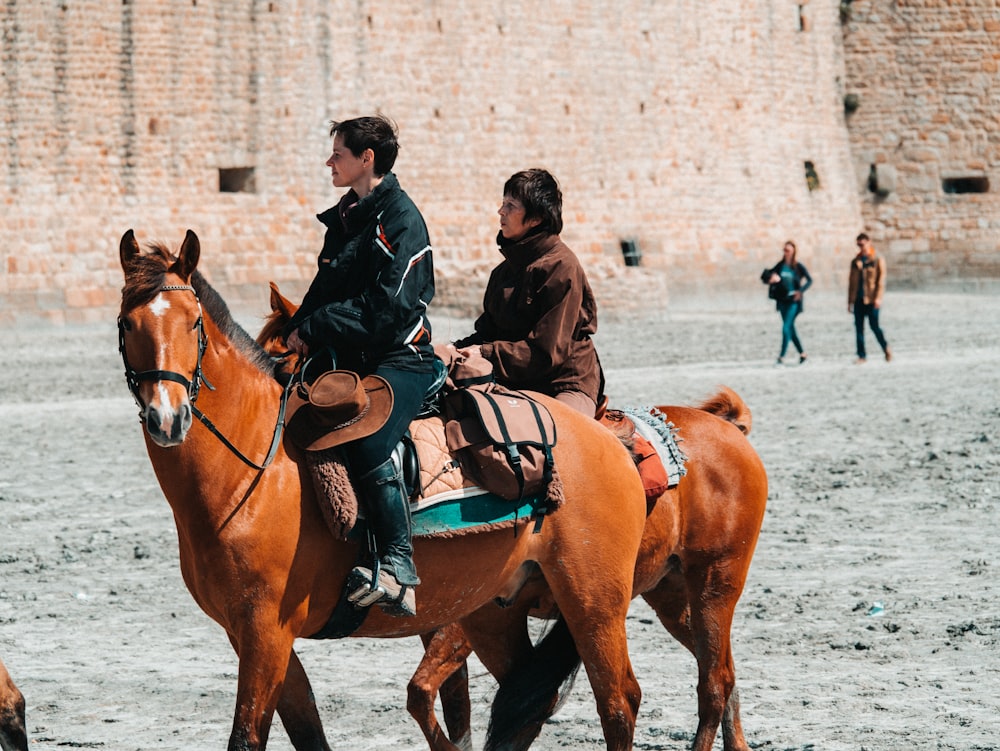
pixel 871 618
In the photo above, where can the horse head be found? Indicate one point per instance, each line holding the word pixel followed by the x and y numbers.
pixel 161 335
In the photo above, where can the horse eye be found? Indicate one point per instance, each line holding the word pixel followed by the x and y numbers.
pixel 126 324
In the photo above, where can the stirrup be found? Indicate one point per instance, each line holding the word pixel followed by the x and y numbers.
pixel 394 598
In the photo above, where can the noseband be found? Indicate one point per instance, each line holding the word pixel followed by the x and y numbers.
pixel 134 378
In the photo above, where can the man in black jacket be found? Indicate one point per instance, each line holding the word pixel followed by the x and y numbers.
pixel 367 306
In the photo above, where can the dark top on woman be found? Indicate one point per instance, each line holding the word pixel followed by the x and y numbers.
pixel 793 279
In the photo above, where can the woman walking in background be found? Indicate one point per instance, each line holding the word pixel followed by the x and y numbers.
pixel 788 281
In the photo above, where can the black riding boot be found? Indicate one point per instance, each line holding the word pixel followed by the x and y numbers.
pixel 389 515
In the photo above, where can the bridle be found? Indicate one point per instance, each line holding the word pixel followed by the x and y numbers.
pixel 134 377
pixel 193 385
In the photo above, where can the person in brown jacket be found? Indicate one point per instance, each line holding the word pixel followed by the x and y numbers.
pixel 865 290
pixel 539 312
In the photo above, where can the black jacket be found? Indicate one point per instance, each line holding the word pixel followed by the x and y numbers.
pixel 801 282
pixel 368 300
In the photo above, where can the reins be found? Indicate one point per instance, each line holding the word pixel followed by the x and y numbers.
pixel 193 385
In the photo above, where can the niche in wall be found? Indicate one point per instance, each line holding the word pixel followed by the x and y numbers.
pixel 812 177
pixel 966 184
pixel 237 180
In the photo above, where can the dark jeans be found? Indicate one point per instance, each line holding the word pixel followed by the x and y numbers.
pixel 789 310
pixel 861 312
pixel 408 391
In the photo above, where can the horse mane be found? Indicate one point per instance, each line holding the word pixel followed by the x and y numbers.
pixel 213 304
pixel 728 405
pixel 146 278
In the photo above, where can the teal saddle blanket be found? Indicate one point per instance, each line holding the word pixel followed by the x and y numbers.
pixel 471 508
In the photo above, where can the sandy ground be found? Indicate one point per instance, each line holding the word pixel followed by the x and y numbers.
pixel 871 619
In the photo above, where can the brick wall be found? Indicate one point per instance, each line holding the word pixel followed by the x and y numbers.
pixel 926 74
pixel 685 126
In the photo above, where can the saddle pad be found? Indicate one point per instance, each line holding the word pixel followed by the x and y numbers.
pixel 652 425
pixel 449 502
pixel 470 510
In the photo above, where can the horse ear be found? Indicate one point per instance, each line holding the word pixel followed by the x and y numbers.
pixel 128 250
pixel 281 304
pixel 187 260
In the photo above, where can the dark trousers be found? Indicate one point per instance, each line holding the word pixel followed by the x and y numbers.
pixel 381 482
pixel 861 312
pixel 408 391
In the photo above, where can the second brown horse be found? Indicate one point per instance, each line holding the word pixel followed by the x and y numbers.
pixel 13 735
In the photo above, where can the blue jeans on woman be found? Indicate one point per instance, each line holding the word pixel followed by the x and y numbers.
pixel 861 312
pixel 789 310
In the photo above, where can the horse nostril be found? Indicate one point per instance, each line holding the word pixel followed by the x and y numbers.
pixel 153 424
pixel 168 427
pixel 183 421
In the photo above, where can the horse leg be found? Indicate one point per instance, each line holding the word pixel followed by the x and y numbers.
pixel 455 701
pixel 533 680
pixel 601 642
pixel 13 735
pixel 264 662
pixel 502 643
pixel 705 632
pixel 732 726
pixel 298 712
pixel 443 668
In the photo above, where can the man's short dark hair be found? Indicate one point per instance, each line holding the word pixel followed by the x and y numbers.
pixel 377 133
pixel 539 193
pixel 861 237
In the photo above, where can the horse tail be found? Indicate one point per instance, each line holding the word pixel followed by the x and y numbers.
pixel 728 405
pixel 533 691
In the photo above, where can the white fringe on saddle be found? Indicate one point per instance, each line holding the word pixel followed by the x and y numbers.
pixel 652 425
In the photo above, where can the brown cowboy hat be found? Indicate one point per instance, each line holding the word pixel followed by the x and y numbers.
pixel 338 407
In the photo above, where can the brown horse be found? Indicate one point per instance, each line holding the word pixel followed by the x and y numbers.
pixel 693 562
pixel 13 735
pixel 258 558
pixel 692 565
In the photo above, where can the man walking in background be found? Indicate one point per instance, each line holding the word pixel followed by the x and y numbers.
pixel 865 290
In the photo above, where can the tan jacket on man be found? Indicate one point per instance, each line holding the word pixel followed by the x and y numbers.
pixel 869 272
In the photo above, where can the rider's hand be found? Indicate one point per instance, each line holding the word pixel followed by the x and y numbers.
pixel 297 345
pixel 473 350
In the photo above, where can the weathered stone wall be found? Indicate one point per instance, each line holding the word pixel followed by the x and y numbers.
pixel 683 125
pixel 926 74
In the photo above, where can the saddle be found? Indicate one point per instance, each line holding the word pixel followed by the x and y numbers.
pixel 508 470
pixel 445 500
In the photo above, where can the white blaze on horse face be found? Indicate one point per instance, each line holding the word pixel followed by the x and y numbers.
pixel 167 410
pixel 159 306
